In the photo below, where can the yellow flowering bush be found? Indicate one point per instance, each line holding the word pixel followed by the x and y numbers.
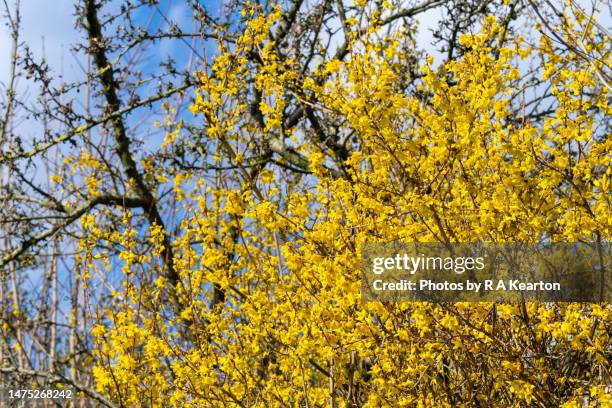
pixel 268 310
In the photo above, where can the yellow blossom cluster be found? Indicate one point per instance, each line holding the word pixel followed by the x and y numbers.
pixel 269 310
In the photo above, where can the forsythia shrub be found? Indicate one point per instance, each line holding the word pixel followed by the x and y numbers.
pixel 269 310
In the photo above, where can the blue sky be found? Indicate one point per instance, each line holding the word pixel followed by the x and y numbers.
pixel 48 28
